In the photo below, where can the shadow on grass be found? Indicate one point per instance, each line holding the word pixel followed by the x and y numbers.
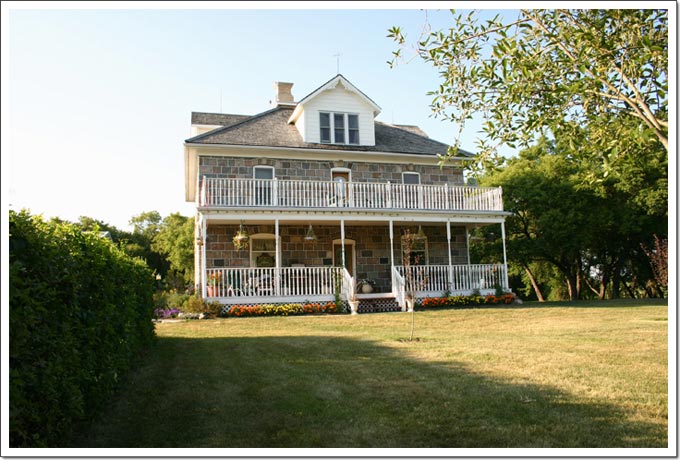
pixel 339 392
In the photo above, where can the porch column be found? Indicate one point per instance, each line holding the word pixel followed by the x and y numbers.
pixel 392 253
pixel 448 242
pixel 467 243
pixel 204 236
pixel 505 260
pixel 197 251
pixel 469 270
pixel 277 265
pixel 342 241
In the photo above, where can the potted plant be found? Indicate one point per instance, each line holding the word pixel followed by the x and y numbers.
pixel 367 285
pixel 212 282
pixel 353 299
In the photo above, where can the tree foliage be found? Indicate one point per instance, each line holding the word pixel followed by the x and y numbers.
pixel 175 241
pixel 165 244
pixel 591 233
pixel 554 72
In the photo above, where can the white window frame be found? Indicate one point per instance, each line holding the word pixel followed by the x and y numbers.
pixel 255 168
pixel 404 173
pixel 254 254
pixel 331 119
pixel 262 191
pixel 342 170
pixel 426 249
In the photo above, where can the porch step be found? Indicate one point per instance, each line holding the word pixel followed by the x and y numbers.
pixel 378 305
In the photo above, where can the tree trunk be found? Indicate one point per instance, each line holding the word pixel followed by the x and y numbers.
pixel 616 281
pixel 570 288
pixel 597 292
pixel 630 291
pixel 534 284
pixel 573 286
pixel 603 286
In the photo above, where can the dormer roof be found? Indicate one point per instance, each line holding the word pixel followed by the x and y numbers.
pixel 339 79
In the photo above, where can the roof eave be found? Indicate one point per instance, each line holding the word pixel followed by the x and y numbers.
pixel 330 84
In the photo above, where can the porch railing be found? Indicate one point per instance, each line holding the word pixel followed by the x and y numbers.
pixel 257 193
pixel 271 282
pixel 240 284
pixel 398 287
pixel 346 292
pixel 452 278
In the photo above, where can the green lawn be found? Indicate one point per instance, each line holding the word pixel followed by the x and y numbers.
pixel 549 375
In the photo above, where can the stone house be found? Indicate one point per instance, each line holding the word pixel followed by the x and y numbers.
pixel 321 193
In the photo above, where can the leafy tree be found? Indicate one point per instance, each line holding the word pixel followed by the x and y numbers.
pixel 175 241
pixel 165 244
pixel 590 232
pixel 147 223
pixel 554 72
pixel 658 260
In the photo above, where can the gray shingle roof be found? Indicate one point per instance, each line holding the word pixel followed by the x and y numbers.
pixel 217 119
pixel 271 129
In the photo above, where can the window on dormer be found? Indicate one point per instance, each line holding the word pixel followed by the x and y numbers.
pixel 338 128
pixel 325 123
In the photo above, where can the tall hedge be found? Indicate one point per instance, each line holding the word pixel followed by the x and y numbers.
pixel 80 311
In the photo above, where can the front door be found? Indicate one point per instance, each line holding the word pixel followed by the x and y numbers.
pixel 349 256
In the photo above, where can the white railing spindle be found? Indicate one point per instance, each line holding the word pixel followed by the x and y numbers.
pixel 222 192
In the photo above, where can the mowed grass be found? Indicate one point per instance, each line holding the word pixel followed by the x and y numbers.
pixel 556 375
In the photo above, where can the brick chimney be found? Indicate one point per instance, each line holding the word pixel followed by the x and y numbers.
pixel 283 94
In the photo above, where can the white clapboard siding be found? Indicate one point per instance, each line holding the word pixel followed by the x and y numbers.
pixel 337 100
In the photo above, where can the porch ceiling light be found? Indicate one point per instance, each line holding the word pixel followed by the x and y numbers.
pixel 421 233
pixel 310 236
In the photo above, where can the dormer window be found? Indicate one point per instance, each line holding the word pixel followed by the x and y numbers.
pixel 339 128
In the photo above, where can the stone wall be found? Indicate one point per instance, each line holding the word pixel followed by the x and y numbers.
pixel 371 247
pixel 227 167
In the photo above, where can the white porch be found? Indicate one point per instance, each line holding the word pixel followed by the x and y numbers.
pixel 321 284
pixel 369 243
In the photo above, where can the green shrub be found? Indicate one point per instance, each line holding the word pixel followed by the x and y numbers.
pixel 79 313
pixel 194 304
pixel 169 299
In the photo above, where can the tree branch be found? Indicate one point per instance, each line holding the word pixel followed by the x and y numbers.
pixel 630 102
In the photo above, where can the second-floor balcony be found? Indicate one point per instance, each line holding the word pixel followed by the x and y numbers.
pixel 304 194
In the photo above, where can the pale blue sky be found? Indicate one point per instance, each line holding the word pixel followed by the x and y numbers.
pixel 100 100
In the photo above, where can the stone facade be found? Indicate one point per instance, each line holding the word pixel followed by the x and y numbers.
pixel 232 168
pixel 371 247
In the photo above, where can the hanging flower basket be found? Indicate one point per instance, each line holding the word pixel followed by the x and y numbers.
pixel 241 240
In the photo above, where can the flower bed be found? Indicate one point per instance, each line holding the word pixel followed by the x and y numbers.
pixel 466 301
pixel 281 310
pixel 165 313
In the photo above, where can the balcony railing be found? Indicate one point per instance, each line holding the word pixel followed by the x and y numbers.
pixel 274 193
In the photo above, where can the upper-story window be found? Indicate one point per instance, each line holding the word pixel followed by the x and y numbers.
pixel 411 178
pixel 339 128
pixel 263 190
pixel 263 172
